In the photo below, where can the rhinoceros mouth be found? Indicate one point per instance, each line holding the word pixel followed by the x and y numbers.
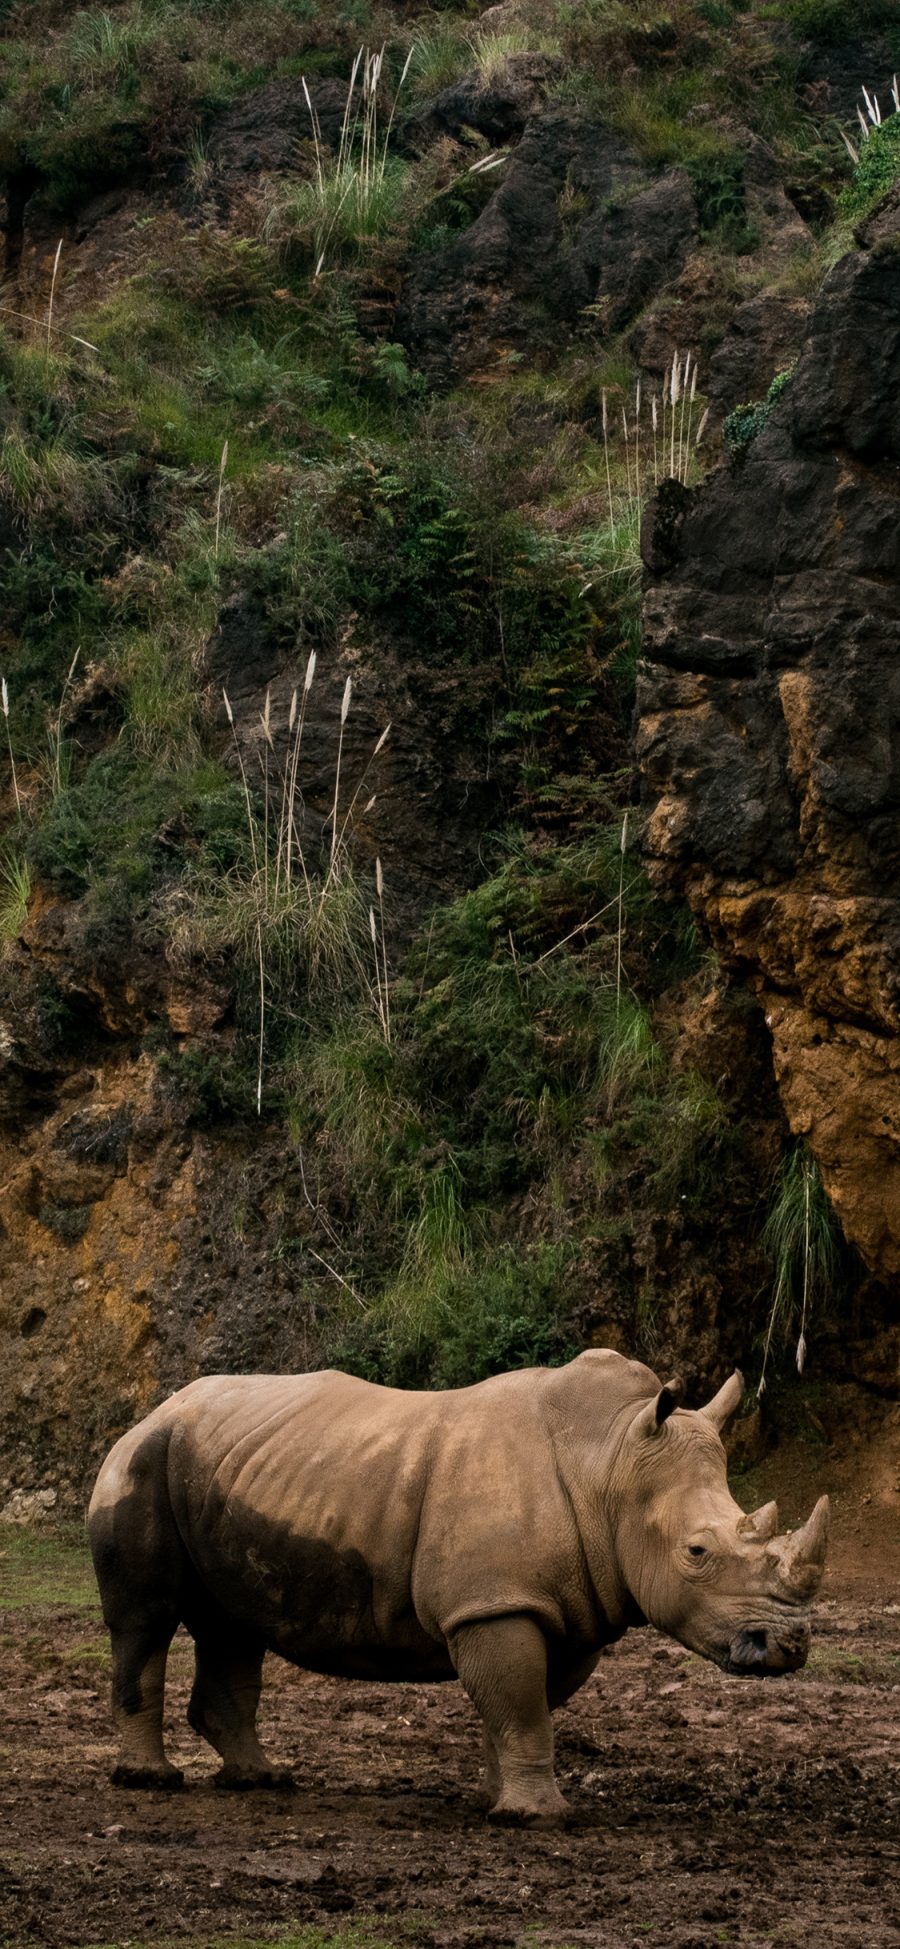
pixel 764 1654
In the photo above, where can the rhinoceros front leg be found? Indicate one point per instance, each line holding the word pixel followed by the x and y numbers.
pixel 502 1664
pixel 223 1707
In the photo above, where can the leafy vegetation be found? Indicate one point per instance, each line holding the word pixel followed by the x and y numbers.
pixel 745 422
pixel 483 1105
pixel 876 172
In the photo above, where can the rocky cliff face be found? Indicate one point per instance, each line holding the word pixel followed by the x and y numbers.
pixel 769 739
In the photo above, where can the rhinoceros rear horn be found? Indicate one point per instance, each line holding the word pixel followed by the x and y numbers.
pixel 761 1525
pixel 800 1557
pixel 724 1404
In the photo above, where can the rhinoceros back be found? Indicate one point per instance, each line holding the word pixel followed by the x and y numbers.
pixel 352 1527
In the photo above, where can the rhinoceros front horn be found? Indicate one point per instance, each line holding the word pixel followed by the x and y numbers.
pixel 800 1557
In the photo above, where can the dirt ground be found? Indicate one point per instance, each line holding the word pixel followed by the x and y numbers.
pixel 705 1809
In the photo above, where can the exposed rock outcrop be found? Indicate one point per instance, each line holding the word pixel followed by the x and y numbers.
pixel 769 739
pixel 576 221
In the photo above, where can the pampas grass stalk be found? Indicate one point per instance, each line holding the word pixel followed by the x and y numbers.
pixel 637 431
pixel 4 698
pixel 623 842
pixel 251 822
pixel 627 451
pixel 222 466
pixel 52 298
pixel 294 764
pixel 345 707
pixel 684 396
pixel 281 851
pixel 801 1343
pixel 258 915
pixel 687 444
pixel 675 391
pixel 379 998
pixel 382 741
pixel 379 888
pixel 57 739
pixel 612 518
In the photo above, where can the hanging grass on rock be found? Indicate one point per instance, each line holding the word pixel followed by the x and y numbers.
pixel 804 1241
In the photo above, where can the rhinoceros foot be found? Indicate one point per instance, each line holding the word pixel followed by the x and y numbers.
pixel 513 1809
pixel 166 1779
pixel 235 1779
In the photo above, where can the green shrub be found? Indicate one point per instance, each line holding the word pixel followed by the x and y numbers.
pixel 718 181
pixel 832 22
pixel 877 171
pixel 745 422
pixel 490 1310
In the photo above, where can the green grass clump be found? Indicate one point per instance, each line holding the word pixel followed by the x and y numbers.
pixel 15 893
pixel 439 57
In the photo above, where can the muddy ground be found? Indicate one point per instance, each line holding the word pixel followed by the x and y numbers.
pixel 705 1810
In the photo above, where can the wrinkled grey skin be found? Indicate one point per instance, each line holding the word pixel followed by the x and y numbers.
pixel 503 1534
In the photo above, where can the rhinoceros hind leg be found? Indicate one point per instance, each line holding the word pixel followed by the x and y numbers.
pixel 139 1675
pixel 492 1779
pixel 502 1663
pixel 223 1707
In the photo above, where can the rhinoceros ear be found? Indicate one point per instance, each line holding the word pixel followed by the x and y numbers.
pixel 669 1398
pixel 652 1418
pixel 724 1404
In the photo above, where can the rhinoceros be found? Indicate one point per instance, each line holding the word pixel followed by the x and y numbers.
pixel 503 1534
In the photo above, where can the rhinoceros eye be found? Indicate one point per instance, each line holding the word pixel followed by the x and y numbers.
pixel 696 1550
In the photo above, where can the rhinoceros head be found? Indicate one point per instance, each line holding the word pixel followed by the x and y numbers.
pixel 722 1582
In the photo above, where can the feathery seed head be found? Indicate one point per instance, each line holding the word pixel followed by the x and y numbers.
pixel 310 672
pixel 379 879
pixel 345 700
pixel 382 740
pixel 292 719
pixel 702 427
pixel 372 926
pixel 228 705
pixel 4 695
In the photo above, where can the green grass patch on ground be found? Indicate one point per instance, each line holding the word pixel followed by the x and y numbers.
pixel 43 1568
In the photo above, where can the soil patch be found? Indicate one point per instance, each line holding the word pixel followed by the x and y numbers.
pixel 705 1809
